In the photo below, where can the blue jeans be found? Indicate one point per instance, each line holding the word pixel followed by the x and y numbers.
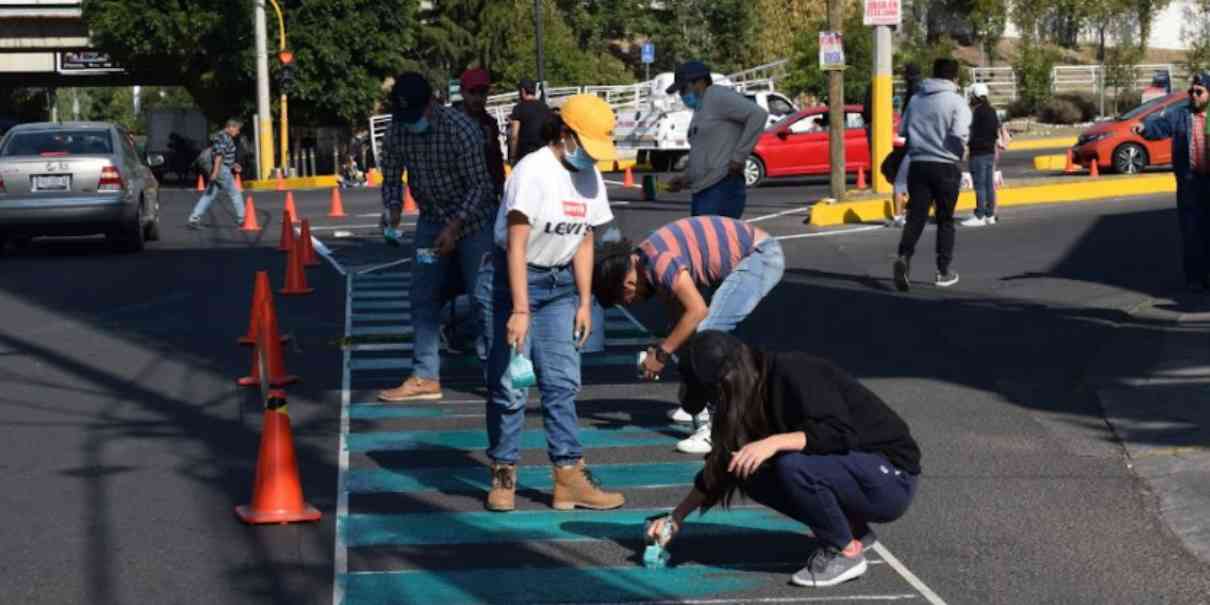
pixel 724 198
pixel 223 185
pixel 550 345
pixel 429 291
pixel 745 287
pixel 1193 215
pixel 983 174
pixel 834 494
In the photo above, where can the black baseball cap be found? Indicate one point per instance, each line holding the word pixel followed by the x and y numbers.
pixel 1201 78
pixel 528 85
pixel 410 97
pixel 687 72
pixel 700 365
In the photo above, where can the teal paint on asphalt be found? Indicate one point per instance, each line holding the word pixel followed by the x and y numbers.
pixel 380 295
pixel 480 527
pixel 591 360
pixel 382 412
pixel 476 478
pixel 546 585
pixel 381 306
pixel 625 436
pixel 390 330
pixel 398 317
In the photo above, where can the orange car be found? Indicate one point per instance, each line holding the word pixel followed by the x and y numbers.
pixel 1113 147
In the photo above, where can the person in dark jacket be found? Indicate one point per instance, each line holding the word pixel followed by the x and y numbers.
pixel 1190 132
pixel 985 131
pixel 801 436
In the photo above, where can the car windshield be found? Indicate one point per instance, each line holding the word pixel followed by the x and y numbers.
pixel 1141 109
pixel 57 143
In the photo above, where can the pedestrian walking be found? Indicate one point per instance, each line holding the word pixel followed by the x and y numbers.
pixel 984 142
pixel 442 151
pixel 535 295
pixel 475 86
pixel 936 126
pixel 676 264
pixel 801 436
pixel 1189 130
pixel 525 122
pixel 722 134
pixel 223 167
pixel 899 196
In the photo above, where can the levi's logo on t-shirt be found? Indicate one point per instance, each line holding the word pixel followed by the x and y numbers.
pixel 575 209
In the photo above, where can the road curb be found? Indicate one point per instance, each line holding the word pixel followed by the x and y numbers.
pixel 864 211
pixel 1050 163
pixel 1045 143
pixel 310 182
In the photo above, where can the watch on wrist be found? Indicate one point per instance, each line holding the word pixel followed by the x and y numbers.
pixel 660 354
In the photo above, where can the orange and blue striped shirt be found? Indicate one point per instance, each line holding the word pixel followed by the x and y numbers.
pixel 708 247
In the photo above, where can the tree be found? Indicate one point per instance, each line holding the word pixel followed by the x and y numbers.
pixel 718 32
pixel 1196 34
pixel 1146 10
pixel 989 18
pixel 804 74
pixel 567 64
pixel 780 22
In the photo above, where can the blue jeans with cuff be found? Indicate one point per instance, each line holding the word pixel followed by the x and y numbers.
pixel 551 346
pixel 223 185
pixel 429 291
pixel 724 198
pixel 745 287
pixel 983 176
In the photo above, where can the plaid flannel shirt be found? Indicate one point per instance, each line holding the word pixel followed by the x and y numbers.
pixel 446 170
pixel 222 144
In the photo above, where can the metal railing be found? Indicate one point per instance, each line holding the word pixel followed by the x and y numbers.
pixel 1001 83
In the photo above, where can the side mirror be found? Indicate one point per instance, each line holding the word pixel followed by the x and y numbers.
pixel 783 134
pixel 155 160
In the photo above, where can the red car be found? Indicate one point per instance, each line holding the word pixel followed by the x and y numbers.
pixel 798 146
pixel 1113 147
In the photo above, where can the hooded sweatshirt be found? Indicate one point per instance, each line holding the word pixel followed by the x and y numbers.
pixel 937 124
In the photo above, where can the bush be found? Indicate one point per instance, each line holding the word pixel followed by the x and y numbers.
pixel 1018 109
pixel 1034 67
pixel 1084 102
pixel 1059 111
pixel 1127 100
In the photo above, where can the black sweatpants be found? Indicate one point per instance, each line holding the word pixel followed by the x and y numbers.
pixel 931 184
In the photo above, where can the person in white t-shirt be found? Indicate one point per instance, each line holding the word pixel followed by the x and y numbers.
pixel 535 298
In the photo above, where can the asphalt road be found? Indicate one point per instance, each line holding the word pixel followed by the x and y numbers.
pixel 126 443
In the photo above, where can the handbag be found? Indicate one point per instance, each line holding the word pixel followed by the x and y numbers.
pixel 890 164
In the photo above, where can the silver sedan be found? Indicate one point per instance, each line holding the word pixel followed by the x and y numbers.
pixel 77 178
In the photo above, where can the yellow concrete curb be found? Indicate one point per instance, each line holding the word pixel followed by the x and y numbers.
pixel 310 182
pixel 1046 143
pixel 615 165
pixel 1086 189
pixel 1050 162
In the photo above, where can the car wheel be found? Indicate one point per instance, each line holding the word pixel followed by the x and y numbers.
pixel 754 171
pixel 129 236
pixel 1130 158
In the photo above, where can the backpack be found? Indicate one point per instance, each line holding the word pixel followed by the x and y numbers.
pixel 204 162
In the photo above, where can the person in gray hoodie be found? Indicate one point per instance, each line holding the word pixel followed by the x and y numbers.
pixel 937 127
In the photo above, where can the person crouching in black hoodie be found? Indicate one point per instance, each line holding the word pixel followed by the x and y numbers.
pixel 801 436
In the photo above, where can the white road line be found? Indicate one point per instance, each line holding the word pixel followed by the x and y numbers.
pixel 384 266
pixel 827 233
pixel 775 215
pixel 382 346
pixel 382 317
pixel 342 495
pixel 344 227
pixel 781 600
pixel 916 583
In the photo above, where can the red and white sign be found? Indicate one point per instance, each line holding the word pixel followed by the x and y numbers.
pixel 575 209
pixel 882 12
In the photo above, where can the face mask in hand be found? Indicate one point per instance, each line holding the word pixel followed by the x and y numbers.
pixel 521 371
pixel 691 100
pixel 420 126
pixel 580 160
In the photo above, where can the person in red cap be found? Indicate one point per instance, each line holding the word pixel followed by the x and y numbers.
pixel 476 83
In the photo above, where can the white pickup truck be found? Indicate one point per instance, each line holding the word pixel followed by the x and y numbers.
pixel 657 131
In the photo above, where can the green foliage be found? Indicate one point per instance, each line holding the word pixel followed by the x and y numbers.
pixel 1059 111
pixel 116 104
pixel 1197 36
pixel 1034 68
pixel 989 18
pixel 804 75
pixel 718 32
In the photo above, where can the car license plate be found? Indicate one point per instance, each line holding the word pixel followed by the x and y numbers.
pixel 51 182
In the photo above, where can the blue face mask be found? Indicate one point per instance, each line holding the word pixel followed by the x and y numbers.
pixel 420 126
pixel 580 160
pixel 691 100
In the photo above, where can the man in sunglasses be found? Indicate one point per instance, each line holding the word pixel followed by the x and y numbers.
pixel 1190 133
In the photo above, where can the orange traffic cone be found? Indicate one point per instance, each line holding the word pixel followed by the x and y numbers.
pixel 267 352
pixel 286 243
pixel 337 209
pixel 296 276
pixel 409 202
pixel 250 223
pixel 308 247
pixel 281 182
pixel 276 491
pixel 261 295
pixel 1070 168
pixel 1093 170
pixel 239 182
pixel 201 183
pixel 628 179
pixel 290 207
pixel 861 184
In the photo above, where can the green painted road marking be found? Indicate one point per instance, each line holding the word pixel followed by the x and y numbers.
pixel 476 478
pixel 382 331
pixel 399 317
pixel 625 436
pixel 382 306
pixel 381 295
pixel 591 360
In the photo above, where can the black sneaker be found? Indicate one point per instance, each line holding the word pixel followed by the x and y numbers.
pixel 827 567
pixel 902 268
pixel 868 540
pixel 947 279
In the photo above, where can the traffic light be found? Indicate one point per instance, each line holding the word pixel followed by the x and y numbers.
pixel 285 75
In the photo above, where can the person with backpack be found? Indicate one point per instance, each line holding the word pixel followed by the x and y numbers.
pixel 221 162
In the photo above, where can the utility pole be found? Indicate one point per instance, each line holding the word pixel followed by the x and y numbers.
pixel 880 113
pixel 283 54
pixel 539 44
pixel 836 107
pixel 264 117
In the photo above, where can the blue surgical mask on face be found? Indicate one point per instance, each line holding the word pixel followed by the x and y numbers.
pixel 691 100
pixel 580 160
pixel 420 126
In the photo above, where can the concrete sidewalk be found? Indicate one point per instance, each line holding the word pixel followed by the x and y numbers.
pixel 1154 387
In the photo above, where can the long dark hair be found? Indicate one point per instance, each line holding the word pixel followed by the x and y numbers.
pixel 739 418
pixel 613 262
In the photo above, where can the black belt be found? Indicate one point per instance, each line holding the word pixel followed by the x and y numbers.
pixel 541 268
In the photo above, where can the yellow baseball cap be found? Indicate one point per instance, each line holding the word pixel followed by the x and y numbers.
pixel 592 120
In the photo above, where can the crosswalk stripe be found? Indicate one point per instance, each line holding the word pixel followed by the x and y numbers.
pixel 399 317
pixel 591 360
pixel 473 439
pixel 404 304
pixel 381 346
pixel 476 478
pixel 368 277
pixel 380 295
pixel 394 330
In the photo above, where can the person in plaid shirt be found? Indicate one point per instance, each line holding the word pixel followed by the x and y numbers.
pixel 442 151
pixel 222 175
pixel 1186 124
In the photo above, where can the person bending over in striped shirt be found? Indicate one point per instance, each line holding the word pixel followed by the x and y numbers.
pixel 679 262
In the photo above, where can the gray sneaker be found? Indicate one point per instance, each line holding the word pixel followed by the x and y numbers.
pixel 194 223
pixel 947 279
pixel 827 567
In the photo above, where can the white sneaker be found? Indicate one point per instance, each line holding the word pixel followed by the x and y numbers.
pixel 698 443
pixel 683 417
pixel 974 221
pixel 991 220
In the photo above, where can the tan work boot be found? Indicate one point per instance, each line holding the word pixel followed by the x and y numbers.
pixel 412 389
pixel 504 487
pixel 575 486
